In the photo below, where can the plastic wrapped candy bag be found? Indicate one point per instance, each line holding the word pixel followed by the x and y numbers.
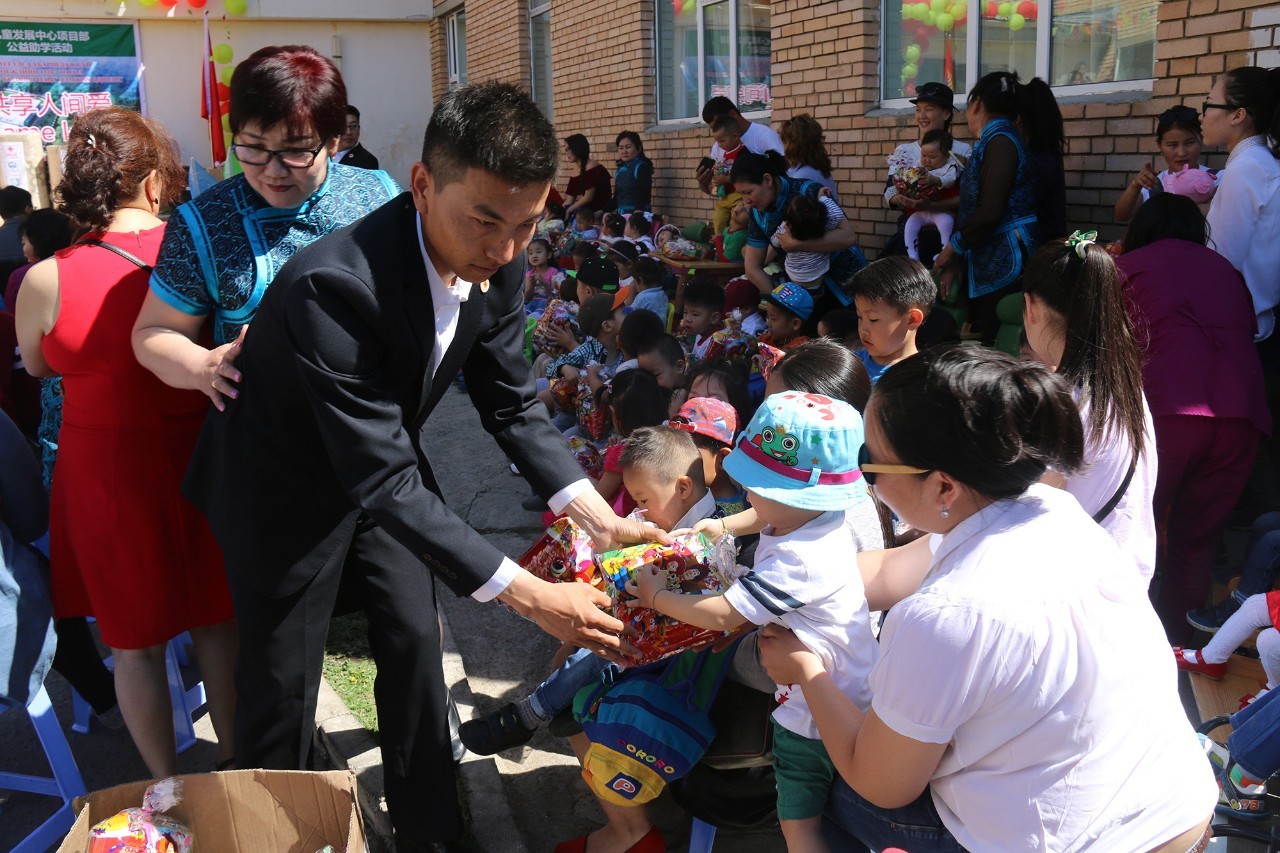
pixel 562 555
pixel 147 829
pixel 593 418
pixel 731 342
pixel 564 391
pixel 1196 184
pixel 908 177
pixel 693 565
pixel 682 250
pixel 765 359
pixel 557 313
pixel 589 458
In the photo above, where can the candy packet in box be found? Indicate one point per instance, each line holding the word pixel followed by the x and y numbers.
pixel 693 564
pixel 146 829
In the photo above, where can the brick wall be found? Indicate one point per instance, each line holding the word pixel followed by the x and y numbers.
pixel 826 62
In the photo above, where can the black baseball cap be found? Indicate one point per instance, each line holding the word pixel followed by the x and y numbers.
pixel 598 273
pixel 936 93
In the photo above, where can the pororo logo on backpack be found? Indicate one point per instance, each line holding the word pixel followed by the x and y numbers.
pixel 625 785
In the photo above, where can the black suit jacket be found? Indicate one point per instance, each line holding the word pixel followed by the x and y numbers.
pixel 336 390
pixel 359 156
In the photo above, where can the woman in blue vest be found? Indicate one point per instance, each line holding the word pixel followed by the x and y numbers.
pixel 997 222
pixel 762 180
pixel 633 182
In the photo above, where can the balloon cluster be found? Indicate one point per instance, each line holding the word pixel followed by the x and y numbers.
pixel 920 20
pixel 235 8
pixel 1016 15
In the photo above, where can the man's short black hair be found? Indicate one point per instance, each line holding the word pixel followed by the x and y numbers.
pixel 14 201
pixel 718 106
pixel 352 111
pixel 939 137
pixel 725 122
pixel 704 293
pixel 495 127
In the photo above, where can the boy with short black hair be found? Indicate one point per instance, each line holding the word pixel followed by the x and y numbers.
pixel 724 129
pixel 703 313
pixel 713 424
pixel 584 224
pixel 649 295
pixel 893 296
pixel 662 471
pixel 787 309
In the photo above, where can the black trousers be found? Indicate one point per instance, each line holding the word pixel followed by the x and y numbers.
pixel 278 675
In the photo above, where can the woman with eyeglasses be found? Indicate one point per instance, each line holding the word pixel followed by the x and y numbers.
pixel 1025 698
pixel 1178 136
pixel 223 249
pixel 125 546
pixel 1242 113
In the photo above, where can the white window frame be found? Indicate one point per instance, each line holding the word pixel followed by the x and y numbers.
pixel 1044 42
pixel 455 69
pixel 543 7
pixel 703 96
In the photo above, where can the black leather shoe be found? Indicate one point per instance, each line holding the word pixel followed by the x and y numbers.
pixel 495 732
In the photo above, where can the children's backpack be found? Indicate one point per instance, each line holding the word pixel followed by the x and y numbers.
pixel 650 726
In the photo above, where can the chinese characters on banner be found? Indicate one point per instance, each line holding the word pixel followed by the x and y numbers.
pixel 50 72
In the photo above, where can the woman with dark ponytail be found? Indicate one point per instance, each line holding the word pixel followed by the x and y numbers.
pixel 997 228
pixel 1077 324
pixel 1040 121
pixel 1025 697
pixel 125 545
pixel 762 180
pixel 1242 113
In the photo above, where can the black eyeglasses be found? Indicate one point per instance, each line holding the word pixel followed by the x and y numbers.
pixel 292 158
pixel 1206 106
pixel 871 469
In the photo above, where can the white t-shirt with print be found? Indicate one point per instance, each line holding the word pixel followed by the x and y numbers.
pixel 808 581
pixel 1037 659
pixel 759 139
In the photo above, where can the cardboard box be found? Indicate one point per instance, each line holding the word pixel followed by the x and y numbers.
pixel 246 811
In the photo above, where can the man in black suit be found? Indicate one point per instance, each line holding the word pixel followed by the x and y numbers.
pixel 350 151
pixel 316 477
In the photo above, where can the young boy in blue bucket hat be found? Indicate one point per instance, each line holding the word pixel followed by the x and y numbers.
pixel 798 461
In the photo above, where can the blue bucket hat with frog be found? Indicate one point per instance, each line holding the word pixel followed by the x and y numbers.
pixel 801 450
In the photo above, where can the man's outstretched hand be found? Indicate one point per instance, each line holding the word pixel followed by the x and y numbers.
pixel 568 611
pixel 607 531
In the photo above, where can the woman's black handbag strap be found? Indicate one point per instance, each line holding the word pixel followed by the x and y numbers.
pixel 1101 515
pixel 128 256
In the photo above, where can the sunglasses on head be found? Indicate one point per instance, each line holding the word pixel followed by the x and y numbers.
pixel 871 469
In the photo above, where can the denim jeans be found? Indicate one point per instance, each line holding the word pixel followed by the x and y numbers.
pixel 1254 742
pixel 854 824
pixel 1263 562
pixel 579 669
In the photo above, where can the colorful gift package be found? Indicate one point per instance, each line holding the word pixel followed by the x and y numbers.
pixel 557 313
pixel 593 418
pixel 693 565
pixel 563 554
pixel 146 829
pixel 589 458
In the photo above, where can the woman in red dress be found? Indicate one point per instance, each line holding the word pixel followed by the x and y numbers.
pixel 126 547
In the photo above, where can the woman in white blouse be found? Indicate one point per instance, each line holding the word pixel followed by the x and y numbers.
pixel 1025 698
pixel 1242 113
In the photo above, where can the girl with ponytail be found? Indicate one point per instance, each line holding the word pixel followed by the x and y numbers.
pixel 1016 642
pixel 1077 324
pixel 1242 113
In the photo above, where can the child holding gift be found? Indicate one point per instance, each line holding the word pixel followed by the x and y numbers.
pixel 893 296
pixel 663 471
pixel 940 184
pixel 798 460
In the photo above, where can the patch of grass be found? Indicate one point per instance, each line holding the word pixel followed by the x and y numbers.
pixel 349 668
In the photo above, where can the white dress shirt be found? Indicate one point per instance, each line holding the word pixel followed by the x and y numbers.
pixel 446 301
pixel 1244 224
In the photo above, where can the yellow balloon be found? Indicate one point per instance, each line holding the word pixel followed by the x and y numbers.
pixel 1016 21
pixel 944 22
pixel 147 2
pixel 222 53
pixel 928 18
pixel 226 124
pixel 1005 10
pixel 225 72
pixel 236 7
pixel 937 6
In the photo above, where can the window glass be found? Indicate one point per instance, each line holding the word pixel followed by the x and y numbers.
pixel 925 41
pixel 456 37
pixel 1102 42
pixel 677 37
pixel 715 50
pixel 540 58
pixel 755 53
pixel 1008 37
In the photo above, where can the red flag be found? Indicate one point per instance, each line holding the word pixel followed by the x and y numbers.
pixel 210 106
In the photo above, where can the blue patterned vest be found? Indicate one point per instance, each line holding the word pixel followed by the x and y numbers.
pixel 997 261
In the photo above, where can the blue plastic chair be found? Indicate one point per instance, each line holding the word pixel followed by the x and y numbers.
pixel 65 783
pixel 185 701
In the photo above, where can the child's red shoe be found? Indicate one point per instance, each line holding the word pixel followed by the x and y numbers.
pixel 1192 660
